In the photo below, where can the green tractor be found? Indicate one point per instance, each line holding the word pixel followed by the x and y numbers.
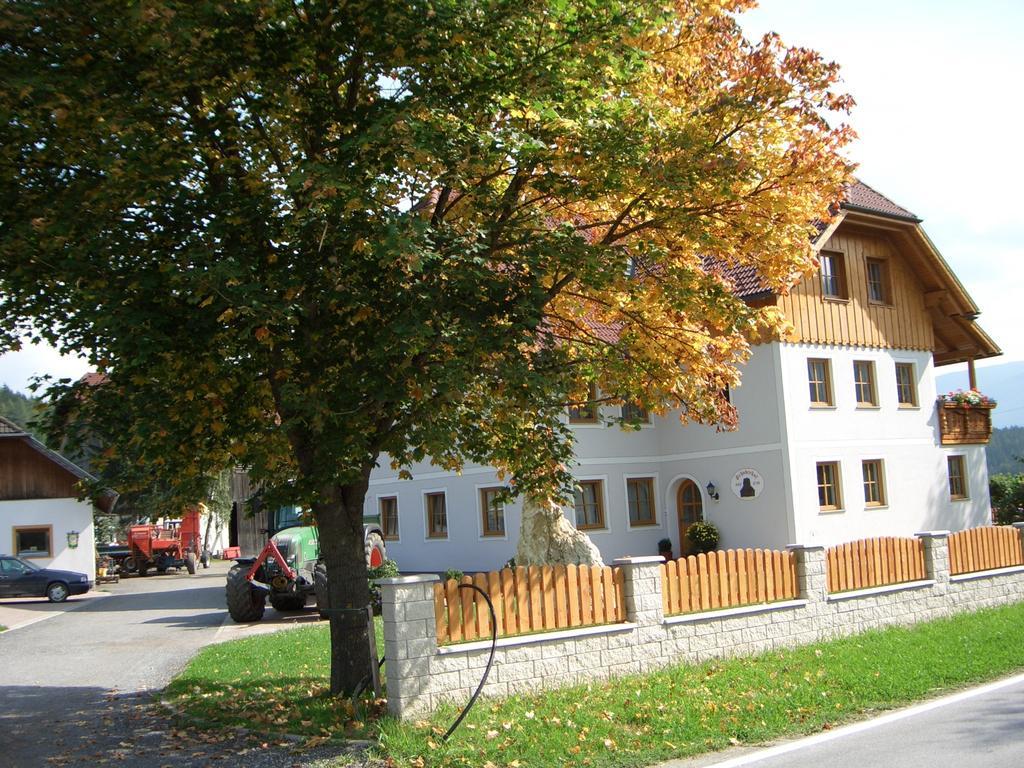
pixel 288 570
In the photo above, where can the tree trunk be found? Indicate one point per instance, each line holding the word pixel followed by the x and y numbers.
pixel 340 523
pixel 209 524
pixel 547 538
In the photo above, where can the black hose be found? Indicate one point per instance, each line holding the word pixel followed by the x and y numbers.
pixel 490 660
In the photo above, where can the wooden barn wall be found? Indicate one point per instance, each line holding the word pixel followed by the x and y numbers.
pixel 902 324
pixel 27 474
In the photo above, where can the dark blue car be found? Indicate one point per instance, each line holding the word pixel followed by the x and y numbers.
pixel 19 578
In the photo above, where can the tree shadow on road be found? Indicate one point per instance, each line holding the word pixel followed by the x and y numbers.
pixel 88 726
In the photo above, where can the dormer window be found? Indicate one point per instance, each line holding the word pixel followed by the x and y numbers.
pixel 833 275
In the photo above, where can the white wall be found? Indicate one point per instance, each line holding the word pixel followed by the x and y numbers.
pixel 666 450
pixel 782 438
pixel 64 515
pixel 905 439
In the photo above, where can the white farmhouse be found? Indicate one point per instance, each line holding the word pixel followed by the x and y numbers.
pixel 41 517
pixel 841 436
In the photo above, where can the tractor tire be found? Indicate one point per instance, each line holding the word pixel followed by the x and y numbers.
pixel 245 602
pixel 143 568
pixel 190 563
pixel 205 558
pixel 287 603
pixel 375 554
pixel 128 565
pixel 320 589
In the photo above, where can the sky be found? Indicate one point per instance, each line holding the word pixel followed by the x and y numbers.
pixel 939 116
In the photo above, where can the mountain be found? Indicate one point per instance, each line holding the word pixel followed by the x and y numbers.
pixel 1003 383
pixel 1004 448
pixel 19 408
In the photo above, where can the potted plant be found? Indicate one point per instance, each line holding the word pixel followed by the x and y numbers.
pixel 971 397
pixel 665 549
pixel 703 535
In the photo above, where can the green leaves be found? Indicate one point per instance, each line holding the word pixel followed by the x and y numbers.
pixel 397 228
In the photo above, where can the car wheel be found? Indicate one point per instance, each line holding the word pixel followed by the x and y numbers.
pixel 57 592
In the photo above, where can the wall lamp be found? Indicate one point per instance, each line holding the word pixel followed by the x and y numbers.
pixel 712 491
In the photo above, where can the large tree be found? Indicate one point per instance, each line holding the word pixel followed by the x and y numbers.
pixel 310 236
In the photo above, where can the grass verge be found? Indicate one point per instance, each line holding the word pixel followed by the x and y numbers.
pixel 633 721
pixel 277 682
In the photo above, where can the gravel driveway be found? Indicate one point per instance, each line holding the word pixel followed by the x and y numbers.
pixel 77 689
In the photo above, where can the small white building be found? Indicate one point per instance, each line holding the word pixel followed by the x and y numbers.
pixel 840 437
pixel 41 518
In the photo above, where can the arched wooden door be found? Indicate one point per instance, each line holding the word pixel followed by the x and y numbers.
pixel 689 509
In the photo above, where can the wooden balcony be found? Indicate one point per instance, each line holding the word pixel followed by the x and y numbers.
pixel 964 424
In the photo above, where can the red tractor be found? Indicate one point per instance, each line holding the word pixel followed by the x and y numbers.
pixel 163 547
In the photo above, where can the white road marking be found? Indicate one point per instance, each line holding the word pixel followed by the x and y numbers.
pixel 867 725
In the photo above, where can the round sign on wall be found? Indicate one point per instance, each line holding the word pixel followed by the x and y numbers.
pixel 747 484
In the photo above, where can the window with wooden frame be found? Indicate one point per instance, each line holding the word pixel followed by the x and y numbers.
pixel 33 541
pixel 864 383
pixel 878 281
pixel 589 504
pixel 874 483
pixel 640 501
pixel 832 267
pixel 585 413
pixel 830 496
pixel 957 477
pixel 635 414
pixel 819 380
pixel 906 385
pixel 437 515
pixel 388 506
pixel 492 512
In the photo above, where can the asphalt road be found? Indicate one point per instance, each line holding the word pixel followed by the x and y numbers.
pixel 77 689
pixel 978 728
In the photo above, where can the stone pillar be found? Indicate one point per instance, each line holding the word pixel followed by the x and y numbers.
pixel 936 558
pixel 642 589
pixel 410 641
pixel 811 576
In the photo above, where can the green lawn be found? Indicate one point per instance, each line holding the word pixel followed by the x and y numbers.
pixel 278 681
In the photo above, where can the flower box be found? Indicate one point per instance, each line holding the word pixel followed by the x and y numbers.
pixel 965 424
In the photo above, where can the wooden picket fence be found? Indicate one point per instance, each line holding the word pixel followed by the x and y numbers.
pixel 982 549
pixel 726 579
pixel 526 600
pixel 874 563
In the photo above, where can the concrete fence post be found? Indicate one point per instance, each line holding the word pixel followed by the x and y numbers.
pixel 811 576
pixel 410 641
pixel 1020 530
pixel 642 589
pixel 936 558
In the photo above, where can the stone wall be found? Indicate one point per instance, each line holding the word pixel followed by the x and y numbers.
pixel 420 674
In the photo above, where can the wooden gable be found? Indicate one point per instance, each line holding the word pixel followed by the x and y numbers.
pixel 925 307
pixel 901 321
pixel 25 473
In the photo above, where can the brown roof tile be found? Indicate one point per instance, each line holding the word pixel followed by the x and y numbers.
pixel 860 196
pixel 8 427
